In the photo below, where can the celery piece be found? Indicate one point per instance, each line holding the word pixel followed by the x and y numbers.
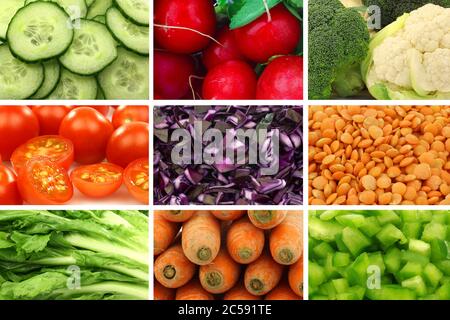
pixel 322 250
pixel 316 274
pixel 432 275
pixel 328 290
pixel 357 271
pixel 351 220
pixel 370 227
pixel 340 244
pixel 409 270
pixel 391 292
pixel 347 296
pixel 330 270
pixel 417 284
pixel 444 266
pixel 328 215
pixel 443 292
pixel 354 240
pixel 358 291
pixel 412 230
pixel 341 259
pixel 439 250
pixel 318 297
pixel 388 217
pixel 340 285
pixel 440 217
pixel 420 247
pixel 323 230
pixel 376 259
pixel 410 216
pixel 389 235
pixel 434 230
pixel 412 256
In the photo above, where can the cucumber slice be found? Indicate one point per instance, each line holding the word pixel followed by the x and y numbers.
pixel 39 31
pixel 92 49
pixel 74 87
pixel 76 9
pixel 99 8
pixel 101 19
pixel 127 77
pixel 18 80
pixel 136 10
pixel 132 36
pixel 8 9
pixel 100 95
pixel 52 72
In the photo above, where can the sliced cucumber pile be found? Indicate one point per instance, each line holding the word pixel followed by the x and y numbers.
pixel 74 49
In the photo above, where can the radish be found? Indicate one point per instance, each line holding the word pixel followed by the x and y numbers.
pixel 171 74
pixel 231 80
pixel 269 35
pixel 173 18
pixel 215 54
pixel 282 79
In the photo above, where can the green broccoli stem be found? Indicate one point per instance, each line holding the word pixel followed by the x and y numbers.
pixel 349 81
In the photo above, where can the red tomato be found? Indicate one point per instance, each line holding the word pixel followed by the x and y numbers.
pixel 18 124
pixel 44 182
pixel 53 148
pixel 89 131
pixel 97 180
pixel 126 114
pixel 104 110
pixel 9 193
pixel 50 117
pixel 136 179
pixel 128 143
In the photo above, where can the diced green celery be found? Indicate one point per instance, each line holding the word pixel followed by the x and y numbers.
pixel 420 247
pixel 322 250
pixel 318 297
pixel 411 256
pixel 323 230
pixel 410 215
pixel 443 292
pixel 316 274
pixel 439 250
pixel 340 285
pixel 444 266
pixel 392 260
pixel 412 230
pixel 358 291
pixel 431 297
pixel 411 269
pixel 432 275
pixel 389 235
pixel 357 271
pixel 341 259
pixel 351 220
pixel 388 217
pixel 440 217
pixel 445 279
pixel 370 227
pixel 355 240
pixel 347 296
pixel 391 292
pixel 434 230
pixel 328 290
pixel 387 279
pixel 376 259
pixel 417 284
pixel 340 244
pixel 328 215
pixel 330 270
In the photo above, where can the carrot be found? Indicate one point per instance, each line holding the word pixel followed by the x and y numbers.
pixel 164 233
pixel 266 219
pixel 262 275
pixel 193 291
pixel 240 293
pixel 245 242
pixel 220 275
pixel 172 269
pixel 176 215
pixel 228 214
pixel 201 238
pixel 286 240
pixel 295 277
pixel 282 292
pixel 162 293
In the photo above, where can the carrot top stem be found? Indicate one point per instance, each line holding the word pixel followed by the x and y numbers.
pixel 286 255
pixel 245 253
pixel 169 272
pixel 204 254
pixel 257 285
pixel 264 216
pixel 214 279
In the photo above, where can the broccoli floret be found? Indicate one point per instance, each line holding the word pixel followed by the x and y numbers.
pixel 392 9
pixel 338 43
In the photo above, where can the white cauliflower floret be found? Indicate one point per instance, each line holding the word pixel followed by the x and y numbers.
pixel 437 68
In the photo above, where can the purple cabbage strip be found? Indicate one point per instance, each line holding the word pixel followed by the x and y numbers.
pixel 228 183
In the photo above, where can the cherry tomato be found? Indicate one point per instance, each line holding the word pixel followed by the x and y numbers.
pixel 136 179
pixel 53 148
pixel 97 180
pixel 104 110
pixel 89 131
pixel 18 124
pixel 128 143
pixel 50 117
pixel 9 193
pixel 44 182
pixel 126 114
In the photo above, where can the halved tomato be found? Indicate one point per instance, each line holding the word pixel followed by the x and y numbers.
pixel 97 180
pixel 44 182
pixel 56 149
pixel 136 179
pixel 9 194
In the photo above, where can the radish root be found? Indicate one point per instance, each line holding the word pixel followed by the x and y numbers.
pixel 266 6
pixel 189 29
pixel 191 86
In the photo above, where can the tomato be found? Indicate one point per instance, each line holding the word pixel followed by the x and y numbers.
pixel 128 143
pixel 44 182
pixel 53 148
pixel 125 114
pixel 104 110
pixel 97 180
pixel 9 193
pixel 50 117
pixel 18 124
pixel 89 132
pixel 136 179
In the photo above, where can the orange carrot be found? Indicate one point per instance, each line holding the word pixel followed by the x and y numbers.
pixel 164 233
pixel 245 242
pixel 201 238
pixel 282 292
pixel 162 293
pixel 228 214
pixel 286 240
pixel 220 275
pixel 193 291
pixel 240 293
pixel 295 277
pixel 172 269
pixel 176 215
pixel 266 219
pixel 262 275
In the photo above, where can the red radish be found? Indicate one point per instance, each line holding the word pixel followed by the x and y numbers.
pixel 216 54
pixel 197 15
pixel 232 80
pixel 262 39
pixel 171 74
pixel 282 79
